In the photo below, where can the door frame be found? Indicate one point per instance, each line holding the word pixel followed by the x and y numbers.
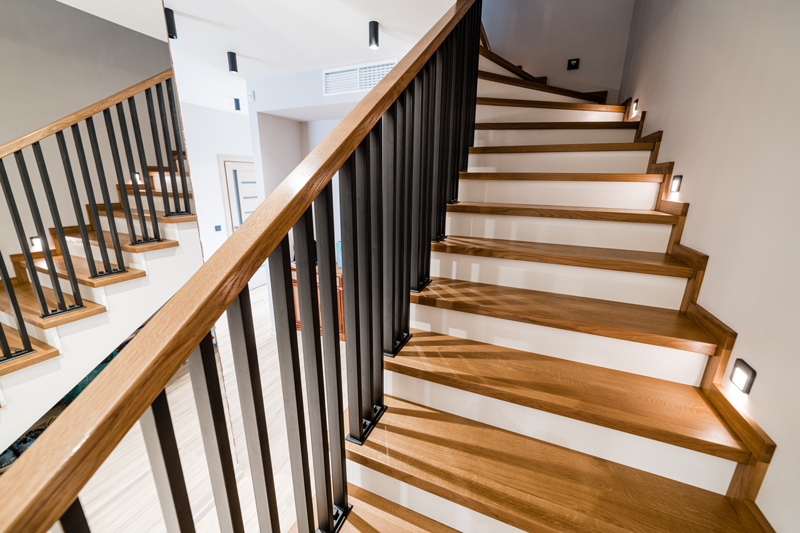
pixel 226 204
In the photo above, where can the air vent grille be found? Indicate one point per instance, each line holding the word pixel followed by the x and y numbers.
pixel 356 78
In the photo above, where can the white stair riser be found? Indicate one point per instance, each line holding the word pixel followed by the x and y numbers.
pixel 486 65
pixel 618 195
pixel 633 162
pixel 673 462
pixel 168 231
pixel 493 89
pixel 96 295
pixel 158 201
pixel 629 287
pixel 528 137
pixel 434 507
pixel 637 358
pixel 597 233
pixel 132 260
pixel 501 113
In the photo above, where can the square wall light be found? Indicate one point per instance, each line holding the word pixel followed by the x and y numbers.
pixel 743 376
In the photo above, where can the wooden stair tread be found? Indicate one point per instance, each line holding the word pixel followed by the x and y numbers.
pixel 530 484
pixel 561 176
pixel 585 147
pixel 29 307
pixel 42 352
pixel 586 125
pixel 74 235
pixel 119 212
pixel 631 322
pixel 81 266
pixel 131 192
pixel 652 408
pixel 535 86
pixel 574 212
pixel 373 514
pixel 545 104
pixel 562 254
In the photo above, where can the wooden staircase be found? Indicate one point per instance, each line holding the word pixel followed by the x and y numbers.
pixel 461 411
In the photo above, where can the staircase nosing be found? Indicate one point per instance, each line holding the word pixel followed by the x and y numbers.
pixel 547 104
pixel 570 212
pixel 563 148
pixel 585 125
pixel 563 176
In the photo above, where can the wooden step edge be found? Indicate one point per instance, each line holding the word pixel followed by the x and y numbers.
pixel 586 147
pixel 72 234
pixel 160 215
pixel 527 84
pixel 42 352
pixel 543 104
pixel 31 313
pixel 129 190
pixel 509 66
pixel 429 299
pixel 586 125
pixel 618 215
pixel 554 258
pixel 374 514
pixel 83 276
pixel 561 176
pixel 566 408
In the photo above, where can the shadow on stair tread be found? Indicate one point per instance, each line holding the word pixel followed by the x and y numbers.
pixel 637 323
pixel 648 407
pixel 530 484
pixel 655 263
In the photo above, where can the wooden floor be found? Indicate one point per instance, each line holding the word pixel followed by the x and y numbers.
pixel 530 484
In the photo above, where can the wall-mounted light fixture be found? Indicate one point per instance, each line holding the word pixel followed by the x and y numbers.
pixel 374 30
pixel 635 107
pixel 172 31
pixel 675 186
pixel 136 177
pixel 236 104
pixel 232 65
pixel 743 376
pixel 36 243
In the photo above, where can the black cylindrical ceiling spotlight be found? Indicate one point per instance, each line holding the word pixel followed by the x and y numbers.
pixel 171 30
pixel 232 65
pixel 373 35
pixel 236 105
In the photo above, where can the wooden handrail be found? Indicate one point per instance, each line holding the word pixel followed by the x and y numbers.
pixel 73 118
pixel 48 476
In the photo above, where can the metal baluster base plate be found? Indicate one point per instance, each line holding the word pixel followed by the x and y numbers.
pixel 106 274
pixel 398 345
pixel 54 312
pixel 339 518
pixel 439 238
pixel 377 411
pixel 422 286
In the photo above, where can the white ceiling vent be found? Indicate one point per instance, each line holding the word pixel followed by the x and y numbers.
pixel 355 78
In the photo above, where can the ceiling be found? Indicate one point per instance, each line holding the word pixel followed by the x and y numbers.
pixel 272 37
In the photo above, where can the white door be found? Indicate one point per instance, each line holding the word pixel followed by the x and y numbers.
pixel 243 198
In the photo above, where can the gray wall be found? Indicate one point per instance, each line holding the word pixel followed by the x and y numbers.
pixel 56 59
pixel 541 35
pixel 722 78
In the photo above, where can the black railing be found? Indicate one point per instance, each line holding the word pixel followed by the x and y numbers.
pixel 107 241
pixel 10 348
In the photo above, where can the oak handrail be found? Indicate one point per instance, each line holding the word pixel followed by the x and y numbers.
pixel 73 118
pixel 48 476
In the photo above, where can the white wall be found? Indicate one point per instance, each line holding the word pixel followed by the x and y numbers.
pixel 541 35
pixel 210 133
pixel 312 134
pixel 143 16
pixel 722 78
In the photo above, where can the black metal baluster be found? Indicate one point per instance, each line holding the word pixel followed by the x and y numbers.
pixel 427 166
pixel 137 193
pixel 291 384
pixel 375 178
pixel 363 242
pixel 168 149
pixel 123 188
pixel 439 149
pixel 176 130
pixel 76 204
pixel 93 213
pixel 305 256
pixel 417 284
pixel 62 241
pixel 456 117
pixel 213 429
pixel 400 281
pixel 248 379
pixel 148 188
pixel 101 176
pixel 390 333
pixel 37 222
pixel 151 115
pixel 12 300
pixel 74 520
pixel 329 310
pixel 165 463
pixel 408 283
pixel 347 201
